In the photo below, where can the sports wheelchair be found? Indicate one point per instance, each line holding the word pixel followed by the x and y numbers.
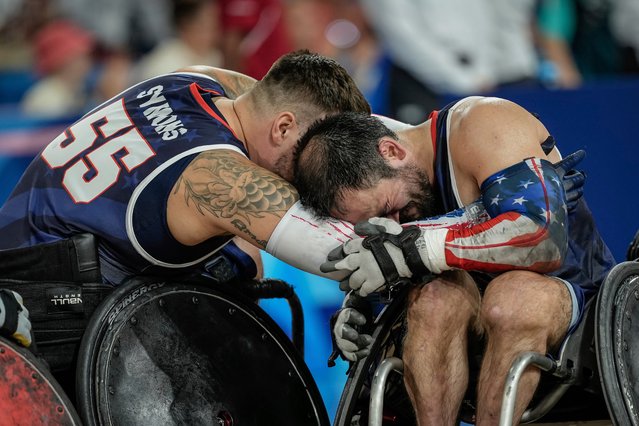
pixel 595 376
pixel 156 350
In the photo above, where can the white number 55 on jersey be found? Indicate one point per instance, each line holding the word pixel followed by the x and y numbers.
pixel 113 127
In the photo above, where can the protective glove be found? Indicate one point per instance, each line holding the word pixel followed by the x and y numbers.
pixel 348 329
pixel 14 318
pixel 387 254
pixel 572 180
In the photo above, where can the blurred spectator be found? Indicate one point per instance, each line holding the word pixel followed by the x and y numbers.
pixel 307 22
pixel 124 30
pixel 596 51
pixel 63 60
pixel 623 22
pixel 134 26
pixel 196 24
pixel 254 35
pixel 457 47
pixel 556 26
pixel 576 39
pixel 354 44
pixel 19 20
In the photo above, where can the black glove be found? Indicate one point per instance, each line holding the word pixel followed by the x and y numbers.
pixel 348 329
pixel 14 318
pixel 572 180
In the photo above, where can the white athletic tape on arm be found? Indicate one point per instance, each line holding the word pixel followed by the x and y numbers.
pixel 431 246
pixel 303 241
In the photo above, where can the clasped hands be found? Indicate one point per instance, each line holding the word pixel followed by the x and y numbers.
pixel 371 270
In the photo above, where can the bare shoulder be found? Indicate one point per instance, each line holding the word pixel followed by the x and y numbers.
pixel 489 134
pixel 234 83
pixel 479 113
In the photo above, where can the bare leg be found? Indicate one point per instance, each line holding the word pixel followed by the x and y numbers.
pixel 521 311
pixel 435 348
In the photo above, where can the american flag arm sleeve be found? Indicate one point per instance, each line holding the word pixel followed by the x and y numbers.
pixel 525 225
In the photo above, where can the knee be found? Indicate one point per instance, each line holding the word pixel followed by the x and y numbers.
pixel 446 303
pixel 510 306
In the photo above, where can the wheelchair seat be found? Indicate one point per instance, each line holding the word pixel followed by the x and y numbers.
pixel 164 352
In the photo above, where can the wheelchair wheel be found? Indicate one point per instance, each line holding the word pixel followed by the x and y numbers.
pixel 617 328
pixel 162 352
pixel 387 335
pixel 29 395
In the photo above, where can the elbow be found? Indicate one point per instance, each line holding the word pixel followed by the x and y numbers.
pixel 550 253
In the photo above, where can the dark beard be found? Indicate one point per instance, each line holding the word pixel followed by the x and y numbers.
pixel 423 202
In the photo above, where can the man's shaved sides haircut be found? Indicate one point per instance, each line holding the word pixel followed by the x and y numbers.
pixel 311 83
pixel 339 153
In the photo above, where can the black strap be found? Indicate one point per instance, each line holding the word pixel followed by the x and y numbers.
pixel 406 241
pixel 408 238
pixel 11 307
pixel 375 243
pixel 73 260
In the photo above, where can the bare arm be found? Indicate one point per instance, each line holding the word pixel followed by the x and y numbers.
pixel 234 83
pixel 221 192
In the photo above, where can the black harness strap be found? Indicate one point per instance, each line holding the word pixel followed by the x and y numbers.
pixel 405 241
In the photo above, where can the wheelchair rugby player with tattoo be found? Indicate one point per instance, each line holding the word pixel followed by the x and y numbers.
pixel 116 244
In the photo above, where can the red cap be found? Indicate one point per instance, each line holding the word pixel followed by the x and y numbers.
pixel 59 42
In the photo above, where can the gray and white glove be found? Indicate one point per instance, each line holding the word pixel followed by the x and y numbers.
pixel 14 318
pixel 387 254
pixel 348 325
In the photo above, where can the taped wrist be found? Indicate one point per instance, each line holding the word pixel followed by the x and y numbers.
pixel 406 242
pixel 10 307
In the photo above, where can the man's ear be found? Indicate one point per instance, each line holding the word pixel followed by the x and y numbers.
pixel 283 124
pixel 392 151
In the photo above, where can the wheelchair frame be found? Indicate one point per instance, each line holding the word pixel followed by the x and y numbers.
pixel 579 363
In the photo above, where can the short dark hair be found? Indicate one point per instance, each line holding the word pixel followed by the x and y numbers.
pixel 337 153
pixel 310 82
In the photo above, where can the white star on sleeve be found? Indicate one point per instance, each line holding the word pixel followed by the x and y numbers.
pixel 495 200
pixel 551 215
pixel 519 201
pixel 526 184
pixel 499 179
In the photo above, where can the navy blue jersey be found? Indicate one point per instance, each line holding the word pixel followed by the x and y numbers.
pixel 111 172
pixel 587 260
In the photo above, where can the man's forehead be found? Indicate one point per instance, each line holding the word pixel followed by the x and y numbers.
pixel 359 202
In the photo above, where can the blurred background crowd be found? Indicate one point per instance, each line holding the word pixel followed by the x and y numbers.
pixel 59 58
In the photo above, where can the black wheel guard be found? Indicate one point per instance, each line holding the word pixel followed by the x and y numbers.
pixel 169 353
pixel 617 339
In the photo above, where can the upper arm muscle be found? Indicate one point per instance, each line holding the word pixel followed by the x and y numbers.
pixel 492 134
pixel 221 192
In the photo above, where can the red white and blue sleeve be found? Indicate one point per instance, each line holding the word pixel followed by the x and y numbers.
pixel 519 222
